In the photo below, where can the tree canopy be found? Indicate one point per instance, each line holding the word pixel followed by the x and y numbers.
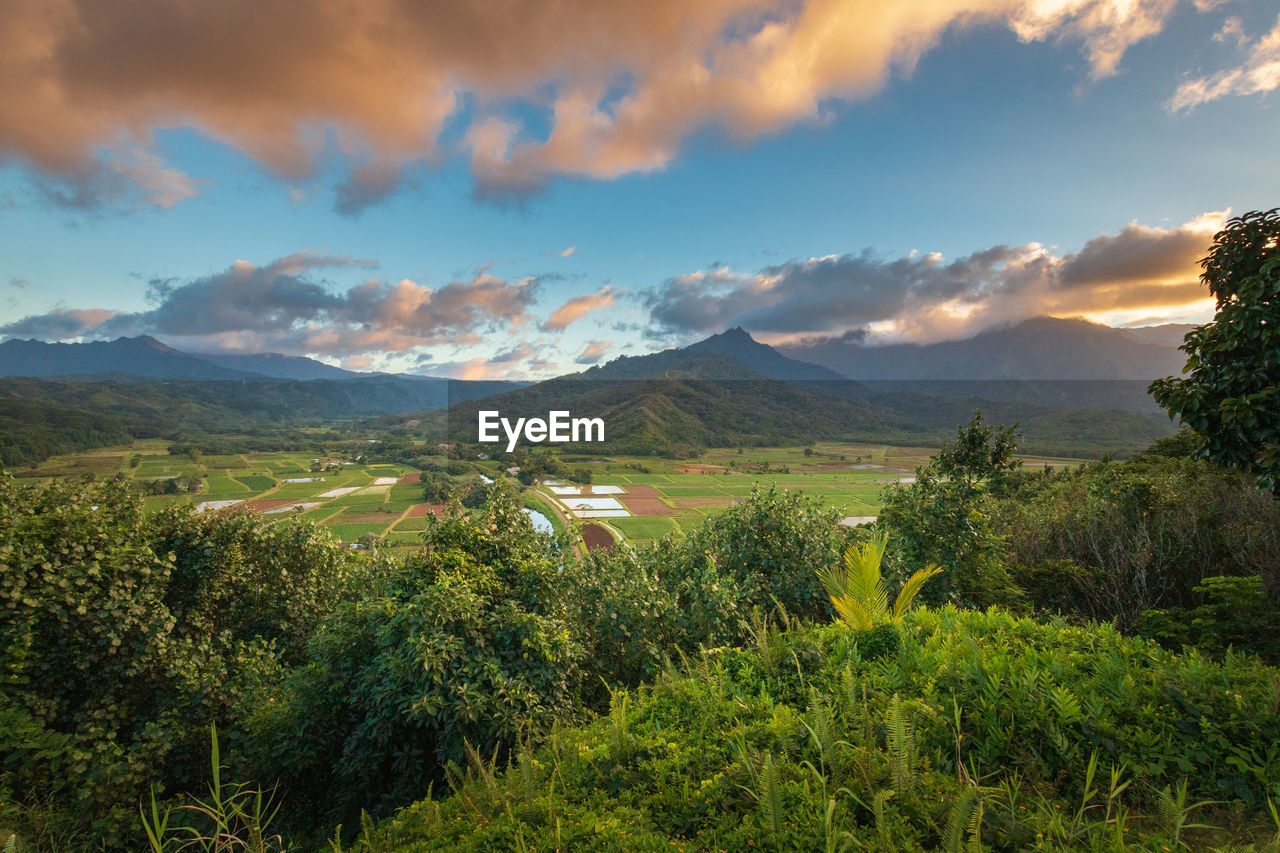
pixel 1230 394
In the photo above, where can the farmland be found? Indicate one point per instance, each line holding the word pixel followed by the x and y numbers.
pixel 636 499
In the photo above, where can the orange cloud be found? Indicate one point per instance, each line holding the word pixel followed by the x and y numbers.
pixel 1139 271
pixel 579 306
pixel 380 78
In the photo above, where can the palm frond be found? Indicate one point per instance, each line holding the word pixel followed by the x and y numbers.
pixel 853 612
pixel 911 588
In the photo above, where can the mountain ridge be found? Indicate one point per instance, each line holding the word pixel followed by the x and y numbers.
pixel 1041 348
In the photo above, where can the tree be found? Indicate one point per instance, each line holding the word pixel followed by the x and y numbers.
pixel 1230 395
pixel 943 518
pixel 980 453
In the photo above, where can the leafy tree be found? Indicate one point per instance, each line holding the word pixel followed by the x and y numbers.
pixel 475 492
pixel 979 454
pixel 944 518
pixel 1231 394
pixel 437 488
pixel 466 644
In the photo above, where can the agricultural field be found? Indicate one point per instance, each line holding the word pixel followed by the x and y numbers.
pixel 644 498
pixel 635 500
pixel 352 500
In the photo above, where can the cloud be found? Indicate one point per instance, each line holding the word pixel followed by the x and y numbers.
pixel 85 86
pixel 514 354
pixel 569 251
pixel 579 306
pixel 498 367
pixel 367 185
pixel 925 297
pixel 1260 72
pixel 19 283
pixel 58 324
pixel 357 362
pixel 283 307
pixel 594 352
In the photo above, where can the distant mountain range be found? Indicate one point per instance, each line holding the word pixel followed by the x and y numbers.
pixel 726 390
pixel 145 357
pixel 733 390
pixel 1044 348
pixel 1041 348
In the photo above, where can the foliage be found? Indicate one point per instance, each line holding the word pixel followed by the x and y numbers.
pixel 438 488
pixel 475 492
pixel 982 732
pixel 1235 613
pixel 1230 395
pixel 761 553
pixel 102 695
pixel 1111 540
pixel 944 518
pixel 858 593
pixel 234 817
pixel 245 576
pixel 465 644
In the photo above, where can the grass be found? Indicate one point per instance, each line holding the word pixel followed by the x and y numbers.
pixel 642 527
pixel 255 482
pixel 352 532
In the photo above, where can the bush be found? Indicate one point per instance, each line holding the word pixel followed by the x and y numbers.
pixel 467 644
pixel 250 577
pixel 1139 535
pixel 91 664
pixel 1235 613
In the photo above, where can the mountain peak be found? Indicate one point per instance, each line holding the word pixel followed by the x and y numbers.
pixel 146 341
pixel 738 344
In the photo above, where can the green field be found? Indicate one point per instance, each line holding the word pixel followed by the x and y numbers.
pixel 849 478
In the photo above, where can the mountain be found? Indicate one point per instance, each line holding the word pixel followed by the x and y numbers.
pixel 679 400
pixel 141 357
pixel 1168 335
pixel 277 366
pixel 762 358
pixel 1044 348
pixel 147 358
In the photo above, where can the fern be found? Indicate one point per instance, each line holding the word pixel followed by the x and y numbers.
pixel 959 820
pixel 901 743
pixel 771 796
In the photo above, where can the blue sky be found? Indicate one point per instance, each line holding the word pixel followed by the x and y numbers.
pixel 925 180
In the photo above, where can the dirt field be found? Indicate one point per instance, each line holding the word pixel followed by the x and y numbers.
pixel 596 536
pixel 412 477
pixel 422 510
pixel 646 506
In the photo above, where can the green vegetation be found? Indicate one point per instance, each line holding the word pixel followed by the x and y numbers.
pixel 1231 394
pixel 858 592
pixel 981 731
pixel 489 687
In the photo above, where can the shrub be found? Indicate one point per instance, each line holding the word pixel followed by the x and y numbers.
pixel 467 644
pixel 91 664
pixel 1141 535
pixel 250 577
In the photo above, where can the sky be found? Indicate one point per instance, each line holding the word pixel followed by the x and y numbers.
pixel 520 190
